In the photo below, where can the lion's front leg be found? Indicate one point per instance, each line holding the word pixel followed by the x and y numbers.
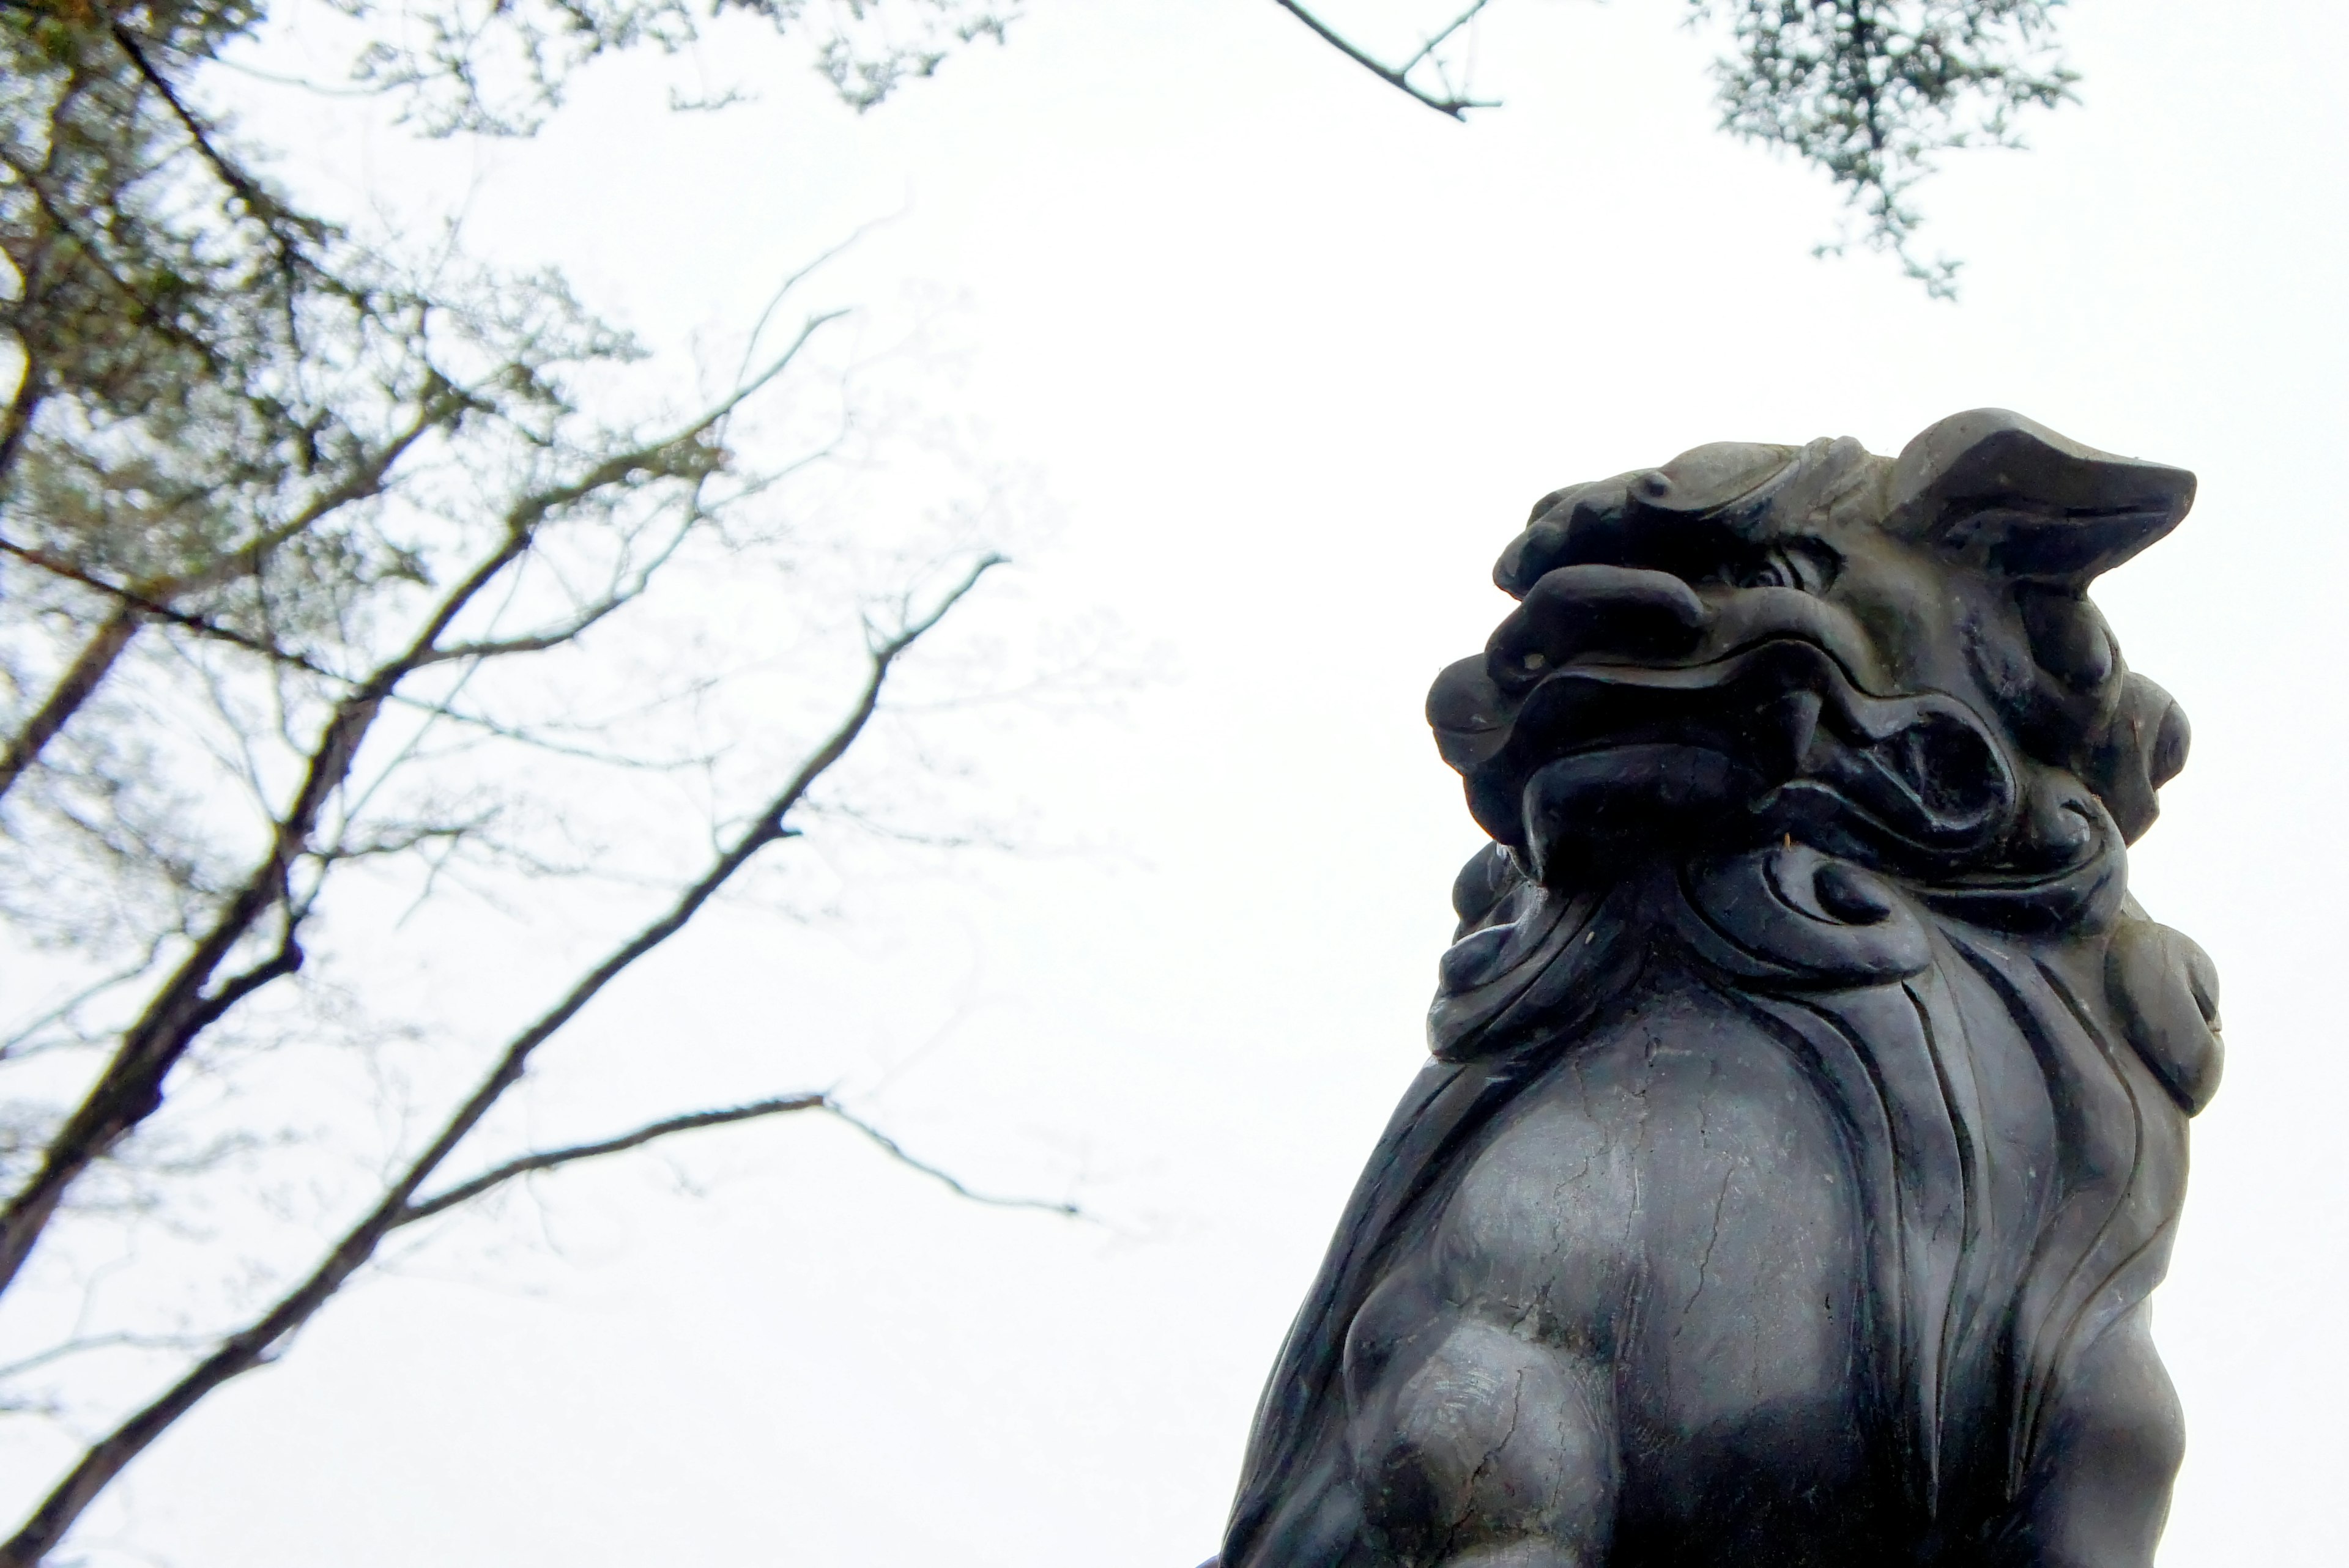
pixel 2099 1487
pixel 1474 1446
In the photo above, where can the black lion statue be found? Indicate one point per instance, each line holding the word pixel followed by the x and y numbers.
pixel 1806 1122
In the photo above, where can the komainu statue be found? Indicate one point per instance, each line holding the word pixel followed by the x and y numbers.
pixel 1806 1122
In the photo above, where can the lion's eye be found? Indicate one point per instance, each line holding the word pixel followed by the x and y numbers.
pixel 1796 565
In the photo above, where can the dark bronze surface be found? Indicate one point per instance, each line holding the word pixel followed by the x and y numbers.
pixel 1806 1126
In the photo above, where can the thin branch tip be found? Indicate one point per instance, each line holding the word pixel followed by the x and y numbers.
pixel 1066 1208
pixel 1453 105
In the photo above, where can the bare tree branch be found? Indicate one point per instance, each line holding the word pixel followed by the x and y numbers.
pixel 74 686
pixel 439 404
pixel 953 1183
pixel 381 843
pixel 146 604
pixel 264 207
pixel 1456 104
pixel 20 1042
pixel 25 401
pixel 551 1158
pixel 624 590
pixel 286 960
pixel 253 1346
pixel 131 1089
pixel 1443 36
pixel 95 1342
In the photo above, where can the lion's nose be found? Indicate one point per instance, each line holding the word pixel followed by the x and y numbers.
pixel 1575 611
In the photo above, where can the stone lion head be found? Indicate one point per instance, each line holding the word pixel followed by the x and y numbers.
pixel 1893 660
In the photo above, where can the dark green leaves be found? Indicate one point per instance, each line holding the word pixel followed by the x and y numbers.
pixel 1871 91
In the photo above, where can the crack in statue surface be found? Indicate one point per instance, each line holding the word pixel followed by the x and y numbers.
pixel 1800 986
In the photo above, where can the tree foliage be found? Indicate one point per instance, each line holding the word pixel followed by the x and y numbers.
pixel 1869 92
pixel 500 67
pixel 1872 90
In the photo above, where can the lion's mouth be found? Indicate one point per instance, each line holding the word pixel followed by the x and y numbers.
pixel 1599 762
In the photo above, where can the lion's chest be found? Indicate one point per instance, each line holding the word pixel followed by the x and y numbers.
pixel 1742 1202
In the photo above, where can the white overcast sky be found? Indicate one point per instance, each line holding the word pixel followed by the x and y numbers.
pixel 1287 357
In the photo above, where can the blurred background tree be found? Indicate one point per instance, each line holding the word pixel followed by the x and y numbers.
pixel 301 541
pixel 336 571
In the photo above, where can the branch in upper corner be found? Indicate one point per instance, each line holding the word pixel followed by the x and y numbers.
pixel 1447 101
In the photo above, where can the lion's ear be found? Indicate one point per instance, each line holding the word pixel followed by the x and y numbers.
pixel 2165 990
pixel 2010 495
pixel 2139 748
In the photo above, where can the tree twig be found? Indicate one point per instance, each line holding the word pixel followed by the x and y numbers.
pixel 1438 39
pixel 132 596
pixel 1448 102
pixel 551 1158
pixel 22 1036
pixel 554 1159
pixel 84 1346
pixel 953 1182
